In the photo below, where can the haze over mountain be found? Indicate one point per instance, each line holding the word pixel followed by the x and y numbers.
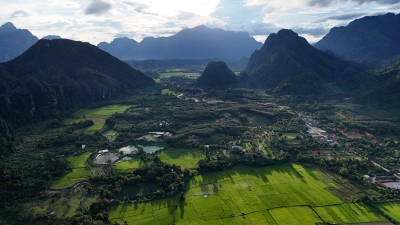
pixel 288 64
pixel 216 75
pixel 54 75
pixel 13 41
pixel 196 43
pixel 370 40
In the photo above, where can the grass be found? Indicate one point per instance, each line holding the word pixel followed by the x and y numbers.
pixel 179 74
pixel 78 173
pixel 167 91
pixel 392 209
pixel 98 116
pixel 185 158
pixel 128 166
pixel 157 212
pixel 285 194
pixel 348 213
pixel 295 215
pixel 64 206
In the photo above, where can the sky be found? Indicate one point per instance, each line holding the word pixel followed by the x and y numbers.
pixel 95 21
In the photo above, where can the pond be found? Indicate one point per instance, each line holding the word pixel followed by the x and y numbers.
pixel 151 149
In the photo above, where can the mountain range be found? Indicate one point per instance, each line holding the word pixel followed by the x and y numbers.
pixel 13 41
pixel 288 64
pixel 56 75
pixel 370 40
pixel 199 42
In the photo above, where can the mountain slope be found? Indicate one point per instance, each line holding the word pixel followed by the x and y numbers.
pixel 288 64
pixel 197 43
pixel 370 40
pixel 382 87
pixel 54 75
pixel 216 75
pixel 13 41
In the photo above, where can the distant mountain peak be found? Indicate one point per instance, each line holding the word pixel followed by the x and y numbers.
pixel 8 27
pixel 370 40
pixel 288 64
pixel 51 37
pixel 199 42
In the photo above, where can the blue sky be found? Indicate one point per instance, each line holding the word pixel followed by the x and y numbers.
pixel 103 20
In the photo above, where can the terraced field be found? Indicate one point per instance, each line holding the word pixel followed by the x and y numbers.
pixel 98 116
pixel 185 158
pixel 78 173
pixel 287 194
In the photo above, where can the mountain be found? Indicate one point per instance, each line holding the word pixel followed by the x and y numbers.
pixel 199 42
pixel 370 40
pixel 382 87
pixel 288 64
pixel 216 75
pixel 122 48
pixel 55 75
pixel 13 41
pixel 51 37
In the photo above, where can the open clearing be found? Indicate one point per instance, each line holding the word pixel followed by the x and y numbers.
pixel 185 158
pixel 285 194
pixel 79 171
pixel 391 209
pixel 128 166
pixel 179 73
pixel 64 206
pixel 168 92
pixel 98 116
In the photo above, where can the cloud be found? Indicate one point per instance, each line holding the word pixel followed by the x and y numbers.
pixel 97 7
pixel 347 16
pixel 139 7
pixel 314 31
pixel 324 3
pixel 240 16
pixel 19 13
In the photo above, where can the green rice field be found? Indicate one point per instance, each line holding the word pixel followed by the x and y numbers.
pixel 98 116
pixel 185 158
pixel 78 173
pixel 286 194
pixel 180 73
pixel 391 209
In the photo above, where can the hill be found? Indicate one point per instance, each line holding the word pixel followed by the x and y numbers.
pixel 216 75
pixel 288 64
pixel 55 75
pixel 199 42
pixel 382 87
pixel 370 40
pixel 13 41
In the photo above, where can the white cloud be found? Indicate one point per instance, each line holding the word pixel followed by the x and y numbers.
pixel 142 18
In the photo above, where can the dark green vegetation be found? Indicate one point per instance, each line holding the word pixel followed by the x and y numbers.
pixel 199 42
pixel 287 64
pixel 216 75
pixel 13 41
pixel 370 40
pixel 383 87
